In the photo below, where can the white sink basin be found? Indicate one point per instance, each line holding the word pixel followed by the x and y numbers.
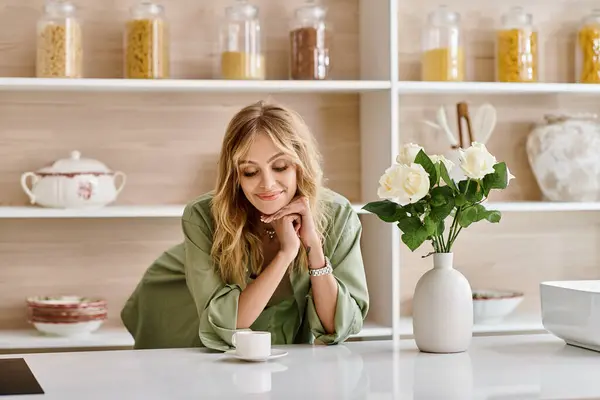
pixel 571 311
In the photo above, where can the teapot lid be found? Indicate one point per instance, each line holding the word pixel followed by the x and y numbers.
pixel 76 164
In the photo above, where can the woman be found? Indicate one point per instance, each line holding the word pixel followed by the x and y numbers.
pixel 269 249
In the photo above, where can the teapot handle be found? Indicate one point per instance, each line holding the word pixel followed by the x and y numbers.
pixel 123 180
pixel 26 187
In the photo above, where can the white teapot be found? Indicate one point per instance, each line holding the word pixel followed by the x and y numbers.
pixel 73 182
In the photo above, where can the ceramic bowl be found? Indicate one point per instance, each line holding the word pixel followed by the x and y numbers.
pixel 68 329
pixel 66 315
pixel 571 311
pixel 65 302
pixel 492 306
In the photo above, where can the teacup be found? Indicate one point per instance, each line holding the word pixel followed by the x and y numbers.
pixel 251 344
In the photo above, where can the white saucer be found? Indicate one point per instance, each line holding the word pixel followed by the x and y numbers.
pixel 275 353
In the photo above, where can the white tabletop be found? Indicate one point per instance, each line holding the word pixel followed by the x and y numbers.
pixel 503 367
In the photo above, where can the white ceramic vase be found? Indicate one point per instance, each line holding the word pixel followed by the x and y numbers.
pixel 563 154
pixel 443 308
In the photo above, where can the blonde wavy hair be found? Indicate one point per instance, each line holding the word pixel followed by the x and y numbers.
pixel 236 245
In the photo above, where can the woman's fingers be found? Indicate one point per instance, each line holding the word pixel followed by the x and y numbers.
pixel 297 206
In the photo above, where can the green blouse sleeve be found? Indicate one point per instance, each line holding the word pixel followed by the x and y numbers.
pixel 342 246
pixel 216 302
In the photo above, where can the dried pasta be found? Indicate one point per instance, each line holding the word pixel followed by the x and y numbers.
pixel 59 51
pixel 147 50
pixel 588 41
pixel 517 56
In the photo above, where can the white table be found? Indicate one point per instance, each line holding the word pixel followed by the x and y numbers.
pixel 503 367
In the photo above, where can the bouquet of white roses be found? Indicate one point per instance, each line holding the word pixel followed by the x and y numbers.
pixel 419 195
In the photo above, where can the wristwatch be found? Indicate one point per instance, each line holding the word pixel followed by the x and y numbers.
pixel 327 269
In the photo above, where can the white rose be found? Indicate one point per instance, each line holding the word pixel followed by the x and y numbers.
pixel 404 183
pixel 476 161
pixel 408 153
pixel 447 163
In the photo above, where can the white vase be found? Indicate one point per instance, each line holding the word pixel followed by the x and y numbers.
pixel 443 308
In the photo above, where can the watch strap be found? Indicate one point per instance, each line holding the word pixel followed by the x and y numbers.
pixel 325 270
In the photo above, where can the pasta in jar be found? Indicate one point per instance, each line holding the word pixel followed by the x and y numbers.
pixel 587 58
pixel 517 48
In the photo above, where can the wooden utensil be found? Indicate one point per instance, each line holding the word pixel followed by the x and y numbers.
pixel 462 110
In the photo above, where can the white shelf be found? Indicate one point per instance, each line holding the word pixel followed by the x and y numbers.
pixel 30 339
pixel 175 211
pixel 541 206
pixel 188 85
pixel 512 324
pixel 160 211
pixel 488 88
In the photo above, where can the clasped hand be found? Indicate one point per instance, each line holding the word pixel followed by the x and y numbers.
pixel 294 224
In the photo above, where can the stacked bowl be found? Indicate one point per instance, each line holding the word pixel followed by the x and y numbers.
pixel 66 315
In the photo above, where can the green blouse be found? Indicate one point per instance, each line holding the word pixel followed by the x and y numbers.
pixel 182 302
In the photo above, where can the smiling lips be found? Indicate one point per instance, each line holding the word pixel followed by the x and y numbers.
pixel 269 196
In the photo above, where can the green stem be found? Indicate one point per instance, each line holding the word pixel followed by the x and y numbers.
pixel 455 228
pixel 441 245
pixel 452 229
pixel 456 235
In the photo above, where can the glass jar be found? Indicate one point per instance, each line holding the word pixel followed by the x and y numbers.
pixel 241 44
pixel 443 56
pixel 59 44
pixel 517 48
pixel 146 42
pixel 587 54
pixel 309 43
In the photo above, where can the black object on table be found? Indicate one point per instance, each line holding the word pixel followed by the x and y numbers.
pixel 17 378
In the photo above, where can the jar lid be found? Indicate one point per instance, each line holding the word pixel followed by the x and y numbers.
pixel 443 16
pixel 311 10
pixel 59 7
pixel 242 10
pixel 516 16
pixel 145 7
pixel 593 18
pixel 76 164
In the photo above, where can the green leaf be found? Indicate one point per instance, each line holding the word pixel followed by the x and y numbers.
pixel 386 210
pixel 493 216
pixel 472 190
pixel 416 238
pixel 430 225
pixel 440 228
pixel 478 213
pixel 442 202
pixel 416 208
pixel 446 177
pixel 441 195
pixel 467 216
pixel 429 167
pixel 409 224
pixel 460 200
pixel 496 180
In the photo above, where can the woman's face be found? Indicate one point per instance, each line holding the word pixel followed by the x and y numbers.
pixel 267 176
